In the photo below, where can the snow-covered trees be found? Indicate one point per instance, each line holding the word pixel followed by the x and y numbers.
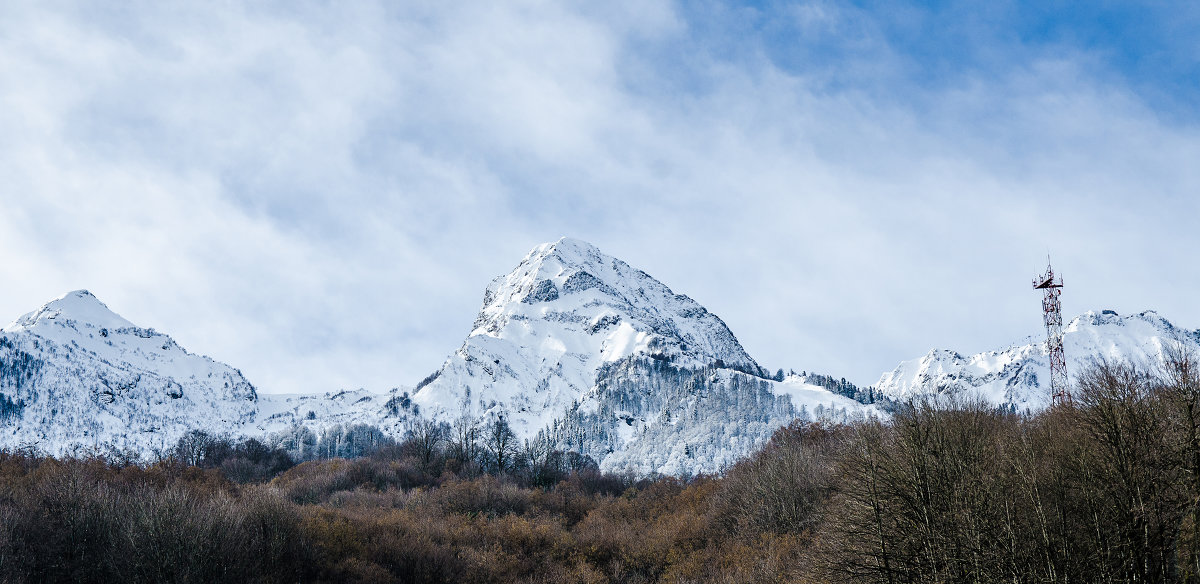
pixel 651 416
pixel 350 441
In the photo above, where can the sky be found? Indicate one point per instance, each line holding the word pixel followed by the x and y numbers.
pixel 318 193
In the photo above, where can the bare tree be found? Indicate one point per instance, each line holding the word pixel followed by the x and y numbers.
pixel 1135 477
pixel 464 436
pixel 426 436
pixel 193 447
pixel 500 443
pixel 1180 375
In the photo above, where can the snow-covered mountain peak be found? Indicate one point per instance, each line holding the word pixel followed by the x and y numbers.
pixel 577 350
pixel 543 274
pixel 103 380
pixel 582 350
pixel 566 249
pixel 1016 375
pixel 79 307
pixel 547 327
pixel 80 319
pixel 587 293
pixel 1147 322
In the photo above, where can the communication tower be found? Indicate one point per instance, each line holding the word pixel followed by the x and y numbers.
pixel 1051 286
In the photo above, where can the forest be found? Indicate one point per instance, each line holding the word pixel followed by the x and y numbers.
pixel 1105 488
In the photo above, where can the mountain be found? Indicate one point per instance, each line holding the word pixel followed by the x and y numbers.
pixel 575 349
pixel 1018 376
pixel 646 416
pixel 578 350
pixel 75 376
pixel 547 327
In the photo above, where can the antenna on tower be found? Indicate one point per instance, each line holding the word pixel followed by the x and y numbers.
pixel 1051 285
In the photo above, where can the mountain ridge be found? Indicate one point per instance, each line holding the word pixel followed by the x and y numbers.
pixel 1012 376
pixel 576 350
pixel 77 375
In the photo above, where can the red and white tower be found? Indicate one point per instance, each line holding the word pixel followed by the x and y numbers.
pixel 1051 285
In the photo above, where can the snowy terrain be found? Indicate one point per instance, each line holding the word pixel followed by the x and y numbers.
pixel 549 325
pixel 577 350
pixel 281 412
pixel 75 376
pixel 1018 375
pixel 647 416
pixel 573 348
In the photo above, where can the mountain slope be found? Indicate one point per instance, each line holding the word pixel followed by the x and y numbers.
pixel 575 349
pixel 1018 376
pixel 647 416
pixel 74 375
pixel 547 327
pixel 579 351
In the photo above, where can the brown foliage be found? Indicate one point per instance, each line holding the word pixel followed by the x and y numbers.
pixel 1104 490
pixel 1100 490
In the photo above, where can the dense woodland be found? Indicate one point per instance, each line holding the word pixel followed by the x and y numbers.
pixel 1105 489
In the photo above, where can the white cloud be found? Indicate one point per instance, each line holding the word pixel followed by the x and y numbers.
pixel 318 194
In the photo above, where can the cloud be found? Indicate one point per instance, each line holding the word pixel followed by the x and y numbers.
pixel 318 194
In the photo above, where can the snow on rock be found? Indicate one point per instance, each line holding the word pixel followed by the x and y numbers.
pixel 76 376
pixel 284 412
pixel 579 350
pixel 1018 376
pixel 547 327
pixel 574 348
pixel 650 417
